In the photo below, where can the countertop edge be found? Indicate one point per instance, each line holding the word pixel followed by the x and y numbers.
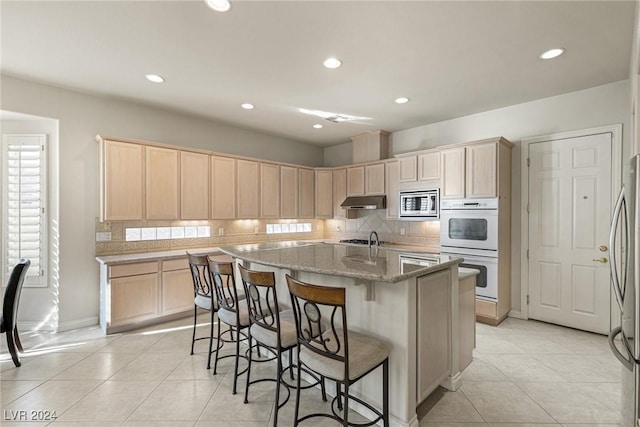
pixel 154 256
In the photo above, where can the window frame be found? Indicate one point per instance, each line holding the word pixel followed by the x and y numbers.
pixel 42 279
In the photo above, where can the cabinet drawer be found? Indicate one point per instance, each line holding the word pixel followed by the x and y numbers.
pixel 175 264
pixel 133 269
pixel 486 308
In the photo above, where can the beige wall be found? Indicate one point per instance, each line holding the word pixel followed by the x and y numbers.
pixel 599 106
pixel 81 116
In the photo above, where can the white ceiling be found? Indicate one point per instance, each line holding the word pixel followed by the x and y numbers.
pixel 451 58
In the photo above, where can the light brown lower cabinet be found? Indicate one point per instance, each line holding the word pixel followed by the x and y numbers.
pixel 138 294
pixel 177 286
pixel 133 290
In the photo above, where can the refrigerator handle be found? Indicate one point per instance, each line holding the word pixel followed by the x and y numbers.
pixel 627 363
pixel 612 248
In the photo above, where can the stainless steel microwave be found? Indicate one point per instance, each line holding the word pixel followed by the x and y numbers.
pixel 420 205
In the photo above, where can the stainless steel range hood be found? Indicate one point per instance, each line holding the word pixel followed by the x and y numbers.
pixel 365 202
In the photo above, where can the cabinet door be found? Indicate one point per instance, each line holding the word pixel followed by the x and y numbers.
pixel 194 185
pixel 408 168
pixel 223 188
pixel 248 189
pixel 134 298
pixel 288 192
pixel 339 192
pixel 177 291
pixel 482 170
pixel 374 175
pixel 161 183
pixel 270 190
pixel 355 181
pixel 324 194
pixel 429 166
pixel 453 171
pixel 122 181
pixel 306 202
pixel 392 174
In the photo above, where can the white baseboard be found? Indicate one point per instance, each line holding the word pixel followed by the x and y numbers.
pixel 36 326
pixel 77 324
pixel 59 327
pixel 516 313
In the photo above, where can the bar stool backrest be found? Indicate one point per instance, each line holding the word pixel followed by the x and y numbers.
pixel 324 334
pixel 199 266
pixel 260 290
pixel 224 284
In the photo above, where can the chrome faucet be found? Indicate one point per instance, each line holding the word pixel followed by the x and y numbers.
pixel 373 233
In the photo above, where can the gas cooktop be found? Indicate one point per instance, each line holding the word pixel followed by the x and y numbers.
pixel 362 242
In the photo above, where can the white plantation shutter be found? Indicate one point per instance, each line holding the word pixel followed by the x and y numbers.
pixel 24 202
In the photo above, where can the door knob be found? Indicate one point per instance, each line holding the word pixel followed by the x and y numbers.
pixel 603 248
pixel 602 260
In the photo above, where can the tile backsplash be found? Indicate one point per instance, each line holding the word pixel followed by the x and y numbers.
pixel 407 232
pixel 223 232
pixel 244 231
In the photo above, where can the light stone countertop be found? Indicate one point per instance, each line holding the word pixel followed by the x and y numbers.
pixel 382 264
pixel 155 256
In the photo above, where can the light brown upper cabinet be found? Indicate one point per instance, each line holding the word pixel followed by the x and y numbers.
pixel 482 174
pixel 339 192
pixel 306 187
pixel 324 194
pixel 194 185
pixel 121 181
pixel 355 181
pixel 374 179
pixel 223 187
pixel 453 172
pixel 408 168
pixel 270 190
pixel 161 183
pixel 288 192
pixel 471 170
pixel 429 166
pixel 392 175
pixel 248 189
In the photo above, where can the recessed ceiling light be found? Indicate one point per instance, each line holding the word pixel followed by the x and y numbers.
pixel 402 100
pixel 218 5
pixel 552 53
pixel 332 63
pixel 247 106
pixel 317 126
pixel 155 78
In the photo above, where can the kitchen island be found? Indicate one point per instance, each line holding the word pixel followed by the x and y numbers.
pixel 414 302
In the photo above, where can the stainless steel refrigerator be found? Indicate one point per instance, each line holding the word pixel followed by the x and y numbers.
pixel 624 251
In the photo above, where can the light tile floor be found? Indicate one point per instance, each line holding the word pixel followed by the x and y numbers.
pixel 524 373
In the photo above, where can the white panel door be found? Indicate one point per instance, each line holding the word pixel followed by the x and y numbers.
pixel 569 217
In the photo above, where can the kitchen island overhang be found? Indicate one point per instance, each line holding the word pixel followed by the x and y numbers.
pixel 416 311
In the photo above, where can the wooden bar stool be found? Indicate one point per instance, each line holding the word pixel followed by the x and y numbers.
pixel 232 310
pixel 271 328
pixel 336 353
pixel 202 297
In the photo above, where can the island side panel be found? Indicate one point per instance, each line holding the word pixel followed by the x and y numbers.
pixel 434 305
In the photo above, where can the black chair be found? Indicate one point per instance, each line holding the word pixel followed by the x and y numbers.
pixel 272 329
pixel 335 353
pixel 202 296
pixel 9 315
